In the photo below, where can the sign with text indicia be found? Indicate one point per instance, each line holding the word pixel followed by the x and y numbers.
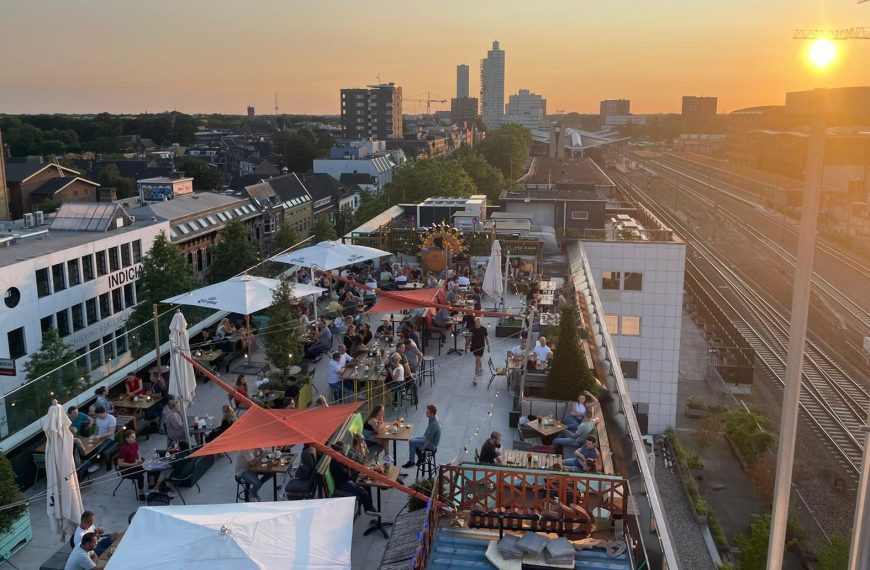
pixel 124 276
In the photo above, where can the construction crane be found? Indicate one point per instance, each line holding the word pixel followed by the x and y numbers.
pixel 846 34
pixel 428 100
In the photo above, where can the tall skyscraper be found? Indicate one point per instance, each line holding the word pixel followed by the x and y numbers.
pixel 372 112
pixel 492 87
pixel 461 81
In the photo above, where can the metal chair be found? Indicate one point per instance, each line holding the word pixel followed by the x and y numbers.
pixel 184 474
pixel 39 463
pixel 495 372
pixel 427 467
pixel 243 489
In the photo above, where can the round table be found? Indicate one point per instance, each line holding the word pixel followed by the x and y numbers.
pixel 294 370
pixel 156 465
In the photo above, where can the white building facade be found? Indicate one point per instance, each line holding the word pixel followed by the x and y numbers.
pixel 492 87
pixel 81 284
pixel 640 285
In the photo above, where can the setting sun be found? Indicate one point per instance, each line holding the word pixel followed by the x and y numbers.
pixel 822 53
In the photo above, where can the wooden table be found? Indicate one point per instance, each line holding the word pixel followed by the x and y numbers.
pixel 144 403
pixel 91 444
pixel 369 370
pixel 392 472
pixel 539 460
pixel 547 431
pixel 210 356
pixel 411 285
pixel 104 558
pixel 270 468
pixel 403 434
pixel 267 398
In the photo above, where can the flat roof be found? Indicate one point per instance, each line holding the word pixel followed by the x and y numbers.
pixel 164 180
pixel 566 170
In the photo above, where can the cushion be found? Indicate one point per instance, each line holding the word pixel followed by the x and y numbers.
pixel 532 543
pixel 559 549
pixel 508 548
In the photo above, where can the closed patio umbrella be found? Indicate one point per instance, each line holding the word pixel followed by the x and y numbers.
pixel 63 496
pixel 493 285
pixel 182 380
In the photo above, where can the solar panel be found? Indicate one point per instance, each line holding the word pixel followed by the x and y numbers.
pixel 84 216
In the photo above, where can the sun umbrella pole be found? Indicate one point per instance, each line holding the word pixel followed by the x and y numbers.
pixel 156 335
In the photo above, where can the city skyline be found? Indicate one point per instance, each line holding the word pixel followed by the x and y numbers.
pixel 205 59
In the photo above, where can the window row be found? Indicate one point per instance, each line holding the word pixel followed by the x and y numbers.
pixel 624 325
pixel 103 350
pixel 627 281
pixel 91 311
pixel 62 276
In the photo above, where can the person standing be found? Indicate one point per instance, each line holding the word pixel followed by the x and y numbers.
pixel 430 440
pixel 479 342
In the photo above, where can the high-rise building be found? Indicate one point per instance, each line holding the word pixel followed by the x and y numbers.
pixel 615 107
pixel 372 112
pixel 251 111
pixel 525 108
pixel 492 87
pixel 461 81
pixel 463 111
pixel 699 106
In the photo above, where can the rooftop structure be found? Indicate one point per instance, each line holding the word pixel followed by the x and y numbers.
pixel 699 107
pixel 161 188
pixel 492 86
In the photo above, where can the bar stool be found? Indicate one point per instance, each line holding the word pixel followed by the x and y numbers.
pixel 428 370
pixel 243 489
pixel 427 467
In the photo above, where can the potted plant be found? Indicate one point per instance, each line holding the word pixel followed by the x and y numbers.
pixel 15 529
pixel 424 487
pixel 695 407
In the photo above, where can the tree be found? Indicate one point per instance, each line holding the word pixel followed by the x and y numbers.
pixel 56 363
pixel 344 221
pixel 753 547
pixel 165 273
pixel 9 495
pixel 204 176
pixel 233 254
pixel 110 176
pixel 417 180
pixel 285 237
pixel 508 149
pixel 281 340
pixel 323 230
pixel 709 430
pixel 569 373
pixel 302 147
pixel 834 555
pixel 487 178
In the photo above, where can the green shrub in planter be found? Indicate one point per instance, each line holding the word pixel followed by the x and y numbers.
pixel 569 373
pixel 424 487
pixel 9 494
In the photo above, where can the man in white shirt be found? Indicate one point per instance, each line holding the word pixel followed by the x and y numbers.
pixel 463 281
pixel 87 525
pixel 83 556
pixel 105 422
pixel 542 351
pixel 344 358
pixel 244 461
pixel 334 370
pixel 520 350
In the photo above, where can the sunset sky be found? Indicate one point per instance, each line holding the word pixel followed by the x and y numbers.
pixel 197 56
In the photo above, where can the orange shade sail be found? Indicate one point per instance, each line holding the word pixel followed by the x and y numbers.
pixel 395 301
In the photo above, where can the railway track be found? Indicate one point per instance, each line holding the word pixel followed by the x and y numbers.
pixel 846 305
pixel 830 400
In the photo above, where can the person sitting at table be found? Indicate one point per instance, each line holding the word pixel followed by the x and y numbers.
pixel 534 293
pixel 105 423
pixel 130 462
pixel 373 425
pixel 366 332
pixel 179 462
pixel 490 451
pixel 441 320
pixel 412 353
pixel 301 481
pixel 430 439
pixel 79 421
pixel 334 308
pixel 223 335
pixel 228 418
pixel 88 524
pixel 542 352
pixel 520 350
pixel 350 303
pixel 245 460
pixel 385 329
pixel 358 344
pixel 453 294
pixel 160 392
pixel 463 280
pixel 587 459
pixel 574 437
pixel 395 373
pixel 349 334
pixel 341 324
pixel 133 385
pixel 103 399
pixel 321 402
pixel 240 397
pixel 409 332
pixel 291 391
pixel 431 281
pixel 343 478
pixel 174 423
pixel 401 278
pixel 322 344
pixel 83 556
pixel 247 340
pixel 575 412
pixel 358 451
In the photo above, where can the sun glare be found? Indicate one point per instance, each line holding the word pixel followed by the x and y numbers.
pixel 822 53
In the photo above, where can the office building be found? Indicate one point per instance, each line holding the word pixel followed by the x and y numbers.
pixel 699 107
pixel 461 81
pixel 614 107
pixel 77 276
pixel 372 112
pixel 361 158
pixel 492 87
pixel 463 111
pixel 525 108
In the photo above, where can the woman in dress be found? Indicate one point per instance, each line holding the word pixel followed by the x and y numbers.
pixel 241 395
pixel 373 425
pixel 358 451
pixel 133 384
pixel 130 462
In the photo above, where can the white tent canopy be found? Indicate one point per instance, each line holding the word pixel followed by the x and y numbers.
pixel 63 497
pixel 493 285
pixel 243 294
pixel 238 536
pixel 329 255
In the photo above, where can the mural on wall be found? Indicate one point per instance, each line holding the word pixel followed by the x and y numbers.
pixel 156 193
